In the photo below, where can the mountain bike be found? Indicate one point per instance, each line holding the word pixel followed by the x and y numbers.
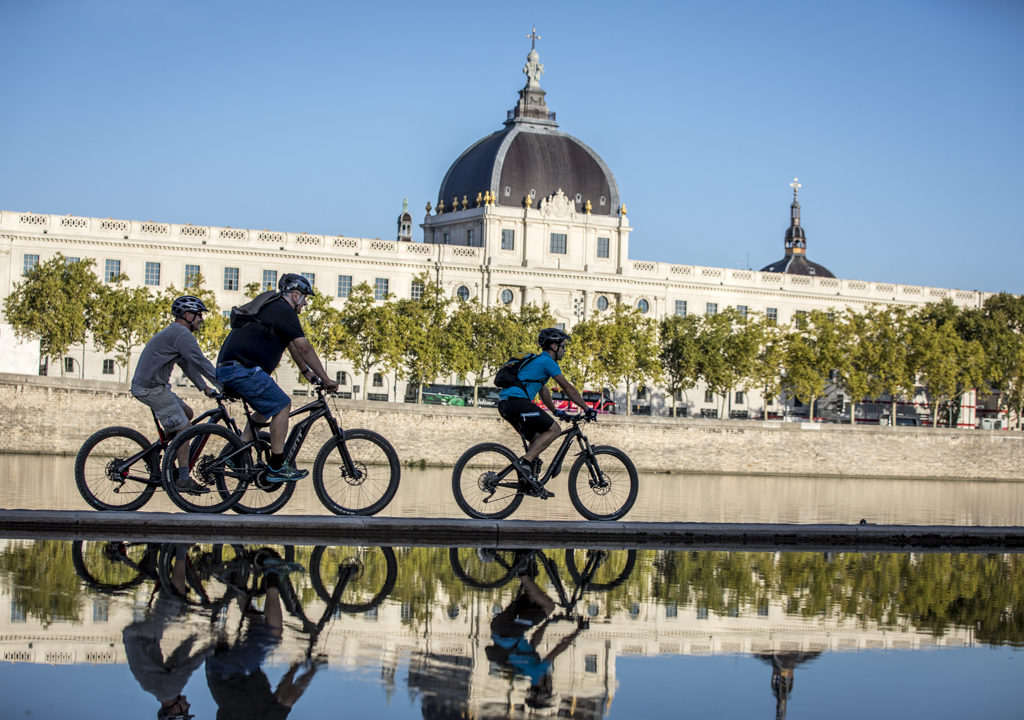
pixel 602 481
pixel 356 472
pixel 118 468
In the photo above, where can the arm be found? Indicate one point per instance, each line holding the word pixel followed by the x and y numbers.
pixel 307 360
pixel 194 363
pixel 569 389
pixel 545 396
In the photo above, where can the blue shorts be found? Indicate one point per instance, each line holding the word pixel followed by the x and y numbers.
pixel 255 387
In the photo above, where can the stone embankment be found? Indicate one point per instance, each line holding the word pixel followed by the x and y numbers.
pixel 54 416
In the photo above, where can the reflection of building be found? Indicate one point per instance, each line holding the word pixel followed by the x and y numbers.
pixel 527 214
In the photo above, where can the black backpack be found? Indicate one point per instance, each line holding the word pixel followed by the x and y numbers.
pixel 242 315
pixel 508 374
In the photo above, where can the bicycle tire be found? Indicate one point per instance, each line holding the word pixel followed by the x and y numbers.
pixel 208 470
pixel 612 500
pixel 472 481
pixel 614 569
pixel 376 569
pixel 261 497
pixel 94 470
pixel 97 570
pixel 379 467
pixel 476 571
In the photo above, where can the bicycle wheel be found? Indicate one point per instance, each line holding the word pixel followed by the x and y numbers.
pixel 379 473
pixel 374 570
pixel 216 468
pixel 606 488
pixel 262 497
pixel 485 484
pixel 109 566
pixel 482 567
pixel 600 569
pixel 103 480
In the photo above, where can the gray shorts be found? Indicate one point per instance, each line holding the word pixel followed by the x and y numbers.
pixel 168 407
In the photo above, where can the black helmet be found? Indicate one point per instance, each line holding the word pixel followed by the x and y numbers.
pixel 293 281
pixel 551 335
pixel 187 304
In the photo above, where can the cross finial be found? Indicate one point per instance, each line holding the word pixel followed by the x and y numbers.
pixel 796 187
pixel 533 37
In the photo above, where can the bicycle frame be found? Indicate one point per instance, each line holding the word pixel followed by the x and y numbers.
pixel 570 433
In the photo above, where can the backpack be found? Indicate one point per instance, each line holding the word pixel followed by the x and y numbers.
pixel 508 374
pixel 242 315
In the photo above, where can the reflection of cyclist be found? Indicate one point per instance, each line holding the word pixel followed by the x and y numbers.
pixel 512 650
pixel 164 677
pixel 234 672
pixel 515 404
pixel 175 345
pixel 252 352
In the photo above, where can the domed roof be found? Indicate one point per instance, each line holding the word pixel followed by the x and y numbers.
pixel 795 261
pixel 530 155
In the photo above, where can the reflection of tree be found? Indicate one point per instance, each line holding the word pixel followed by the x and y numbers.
pixel 783 671
pixel 42 580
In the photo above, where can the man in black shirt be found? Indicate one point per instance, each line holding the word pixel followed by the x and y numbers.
pixel 252 352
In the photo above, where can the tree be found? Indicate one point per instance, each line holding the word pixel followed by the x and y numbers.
pixel 425 343
pixel 728 346
pixel 768 364
pixel 54 304
pixel 679 353
pixel 947 364
pixel 814 351
pixel 125 318
pixel 215 326
pixel 366 331
pixel 1000 330
pixel 632 349
pixel 860 357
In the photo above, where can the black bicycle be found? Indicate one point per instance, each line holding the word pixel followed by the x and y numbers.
pixel 599 570
pixel 602 481
pixel 118 468
pixel 356 472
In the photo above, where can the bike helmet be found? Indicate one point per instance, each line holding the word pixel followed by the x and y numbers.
pixel 550 336
pixel 293 281
pixel 187 304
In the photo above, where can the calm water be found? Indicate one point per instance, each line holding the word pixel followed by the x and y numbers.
pixel 97 630
pixel 32 481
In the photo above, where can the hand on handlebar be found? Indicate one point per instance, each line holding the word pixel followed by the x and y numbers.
pixel 590 414
pixel 211 392
pixel 562 415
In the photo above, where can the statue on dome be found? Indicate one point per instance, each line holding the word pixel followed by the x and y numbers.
pixel 533 69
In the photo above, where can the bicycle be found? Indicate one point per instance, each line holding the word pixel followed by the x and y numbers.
pixel 361 479
pixel 118 468
pixel 600 570
pixel 485 477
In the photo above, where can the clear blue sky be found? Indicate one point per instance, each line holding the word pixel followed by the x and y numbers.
pixel 904 120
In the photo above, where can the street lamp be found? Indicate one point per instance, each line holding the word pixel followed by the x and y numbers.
pixel 577 309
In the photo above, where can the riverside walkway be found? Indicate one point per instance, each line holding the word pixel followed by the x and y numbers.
pixel 445 532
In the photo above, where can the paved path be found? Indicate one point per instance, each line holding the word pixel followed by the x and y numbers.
pixel 320 530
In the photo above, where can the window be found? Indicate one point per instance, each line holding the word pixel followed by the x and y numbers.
pixel 800 318
pixel 111 269
pixel 590 664
pixel 772 314
pixel 462 292
pixel 558 243
pixel 507 297
pixel 380 288
pixel 602 247
pixel 378 380
pixel 269 280
pixel 151 276
pixel 681 308
pixel 602 302
pixel 71 260
pixel 226 314
pixel 508 239
pixel 508 191
pixel 643 306
pixel 709 396
pixel 108 367
pixel 69 364
pixel 742 310
pixel 29 263
pixel 603 201
pixel 191 272
pixel 739 397
pixel 100 610
pixel 230 278
pixel 344 286
pixel 560 326
pixel 417 290
pixel 446 238
pixel 311 277
pixel 470 237
pixel 711 309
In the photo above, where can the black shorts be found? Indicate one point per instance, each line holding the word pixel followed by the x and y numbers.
pixel 525 417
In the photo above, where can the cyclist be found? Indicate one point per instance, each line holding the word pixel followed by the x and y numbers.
pixel 516 405
pixel 252 352
pixel 175 345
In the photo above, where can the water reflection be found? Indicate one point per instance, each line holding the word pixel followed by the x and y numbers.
pixel 480 632
pixel 39 482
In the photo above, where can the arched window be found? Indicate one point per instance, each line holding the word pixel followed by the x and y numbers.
pixel 378 380
pixel 463 292
pixel 643 306
pixel 602 302
pixel 507 297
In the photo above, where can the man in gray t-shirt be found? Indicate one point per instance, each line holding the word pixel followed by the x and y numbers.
pixel 175 345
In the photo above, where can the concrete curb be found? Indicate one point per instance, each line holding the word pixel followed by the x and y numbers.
pixel 444 532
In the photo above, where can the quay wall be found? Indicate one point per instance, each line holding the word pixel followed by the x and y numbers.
pixel 50 416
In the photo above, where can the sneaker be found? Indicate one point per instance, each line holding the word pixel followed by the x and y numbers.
pixel 190 487
pixel 528 481
pixel 286 473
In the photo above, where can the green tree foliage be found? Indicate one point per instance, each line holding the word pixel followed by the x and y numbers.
pixel 53 304
pixel 728 346
pixel 632 349
pixel 1000 330
pixel 679 353
pixel 125 318
pixel 767 367
pixel 367 327
pixel 891 372
pixel 425 347
pixel 814 351
pixel 41 580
